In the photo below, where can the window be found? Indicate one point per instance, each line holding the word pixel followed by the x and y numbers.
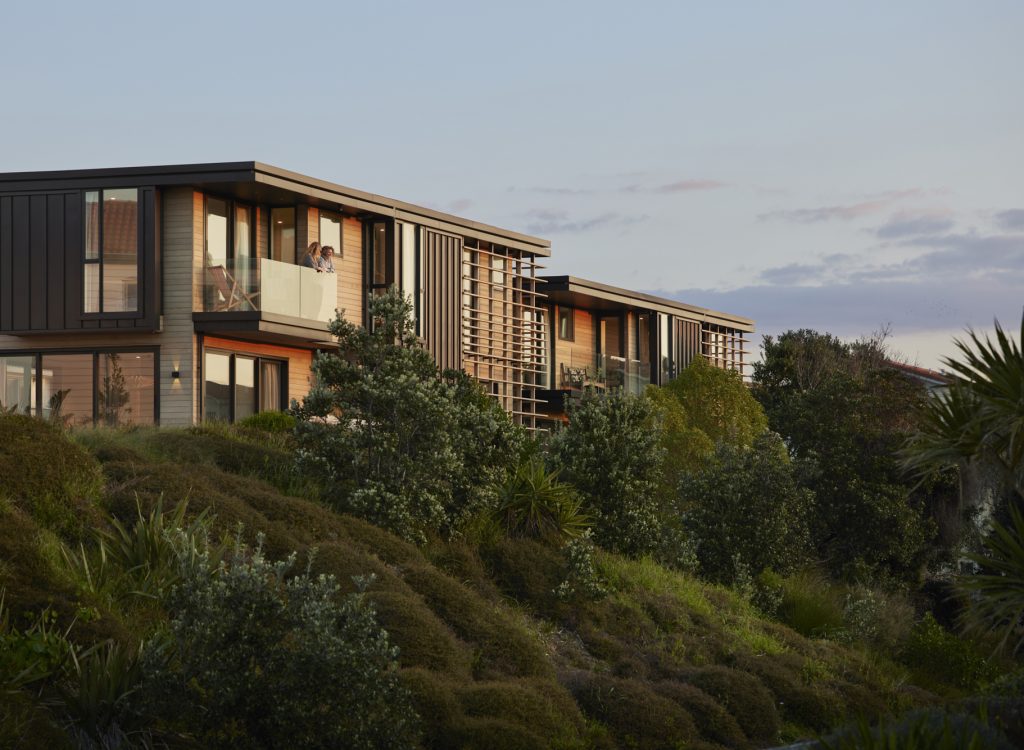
pixel 17 384
pixel 643 338
pixel 236 386
pixel 330 233
pixel 230 280
pixel 566 331
pixel 282 234
pixel 410 264
pixel 82 388
pixel 111 261
pixel 667 370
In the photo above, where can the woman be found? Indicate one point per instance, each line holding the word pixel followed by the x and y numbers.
pixel 312 257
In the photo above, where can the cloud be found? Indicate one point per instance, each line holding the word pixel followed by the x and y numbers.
pixel 460 204
pixel 669 188
pixel 794 273
pixel 907 225
pixel 545 221
pixel 1011 220
pixel 843 212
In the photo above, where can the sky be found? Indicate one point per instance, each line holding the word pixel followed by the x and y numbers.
pixel 846 167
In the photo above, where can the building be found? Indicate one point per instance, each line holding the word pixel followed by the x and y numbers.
pixel 173 294
pixel 602 336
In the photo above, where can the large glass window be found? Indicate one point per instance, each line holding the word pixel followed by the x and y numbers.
pixel 643 338
pixel 17 384
pixel 76 389
pixel 410 258
pixel 237 385
pixel 68 388
pixel 665 348
pixel 125 390
pixel 111 261
pixel 330 232
pixel 245 387
pixel 217 386
pixel 230 271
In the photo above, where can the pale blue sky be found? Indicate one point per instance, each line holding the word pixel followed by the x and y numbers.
pixel 808 164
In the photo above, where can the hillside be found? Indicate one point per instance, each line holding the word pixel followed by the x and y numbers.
pixel 492 656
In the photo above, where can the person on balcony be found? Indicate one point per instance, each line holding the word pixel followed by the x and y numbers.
pixel 327 259
pixel 312 257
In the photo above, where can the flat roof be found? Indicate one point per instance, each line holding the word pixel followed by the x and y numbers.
pixel 266 182
pixel 573 290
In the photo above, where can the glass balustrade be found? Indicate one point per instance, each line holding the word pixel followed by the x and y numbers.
pixel 604 371
pixel 280 288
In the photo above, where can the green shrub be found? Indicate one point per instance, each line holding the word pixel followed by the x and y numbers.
pixel 544 708
pixel 503 647
pixel 636 715
pixel 423 640
pixel 269 421
pixel 809 704
pixel 612 453
pixel 811 606
pixel 743 696
pixel 746 512
pixel 433 698
pixel 264 661
pixel 582 580
pixel 933 651
pixel 532 502
pixel 712 720
pixel 43 472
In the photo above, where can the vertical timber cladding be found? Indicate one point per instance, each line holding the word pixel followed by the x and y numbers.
pixel 441 271
pixel 503 338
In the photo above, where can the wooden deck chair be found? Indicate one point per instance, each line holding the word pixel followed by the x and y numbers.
pixel 230 293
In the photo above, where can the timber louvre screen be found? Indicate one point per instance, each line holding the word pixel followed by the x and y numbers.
pixel 503 336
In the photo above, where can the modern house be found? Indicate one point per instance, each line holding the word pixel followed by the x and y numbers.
pixel 173 294
pixel 606 337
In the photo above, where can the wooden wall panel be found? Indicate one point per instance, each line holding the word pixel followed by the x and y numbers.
pixel 581 351
pixel 350 270
pixel 441 321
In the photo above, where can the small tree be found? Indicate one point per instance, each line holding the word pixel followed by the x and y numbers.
pixel 393 440
pixel 260 660
pixel 744 509
pixel 611 451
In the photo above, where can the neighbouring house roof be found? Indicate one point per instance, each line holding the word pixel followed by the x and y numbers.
pixel 931 378
pixel 259 182
pixel 576 292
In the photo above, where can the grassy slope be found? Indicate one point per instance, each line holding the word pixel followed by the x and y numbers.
pixel 492 657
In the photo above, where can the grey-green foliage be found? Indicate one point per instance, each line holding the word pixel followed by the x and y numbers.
pixel 611 451
pixel 581 577
pixel 394 440
pixel 262 660
pixel 746 512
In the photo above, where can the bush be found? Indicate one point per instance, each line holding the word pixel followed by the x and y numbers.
pixel 612 453
pixel 934 651
pixel 532 502
pixel 269 421
pixel 921 730
pixel 636 715
pixel 743 696
pixel 746 511
pixel 263 661
pixel 44 473
pixel 811 606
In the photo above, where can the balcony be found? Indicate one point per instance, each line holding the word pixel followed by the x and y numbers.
pixel 604 371
pixel 272 301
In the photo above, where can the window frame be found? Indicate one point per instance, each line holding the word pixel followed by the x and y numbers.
pixel 571 332
pixel 98 261
pixel 258 360
pixel 96 352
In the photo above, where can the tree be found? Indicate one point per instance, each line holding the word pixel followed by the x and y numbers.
pixel 745 511
pixel 611 452
pixel 393 440
pixel 843 413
